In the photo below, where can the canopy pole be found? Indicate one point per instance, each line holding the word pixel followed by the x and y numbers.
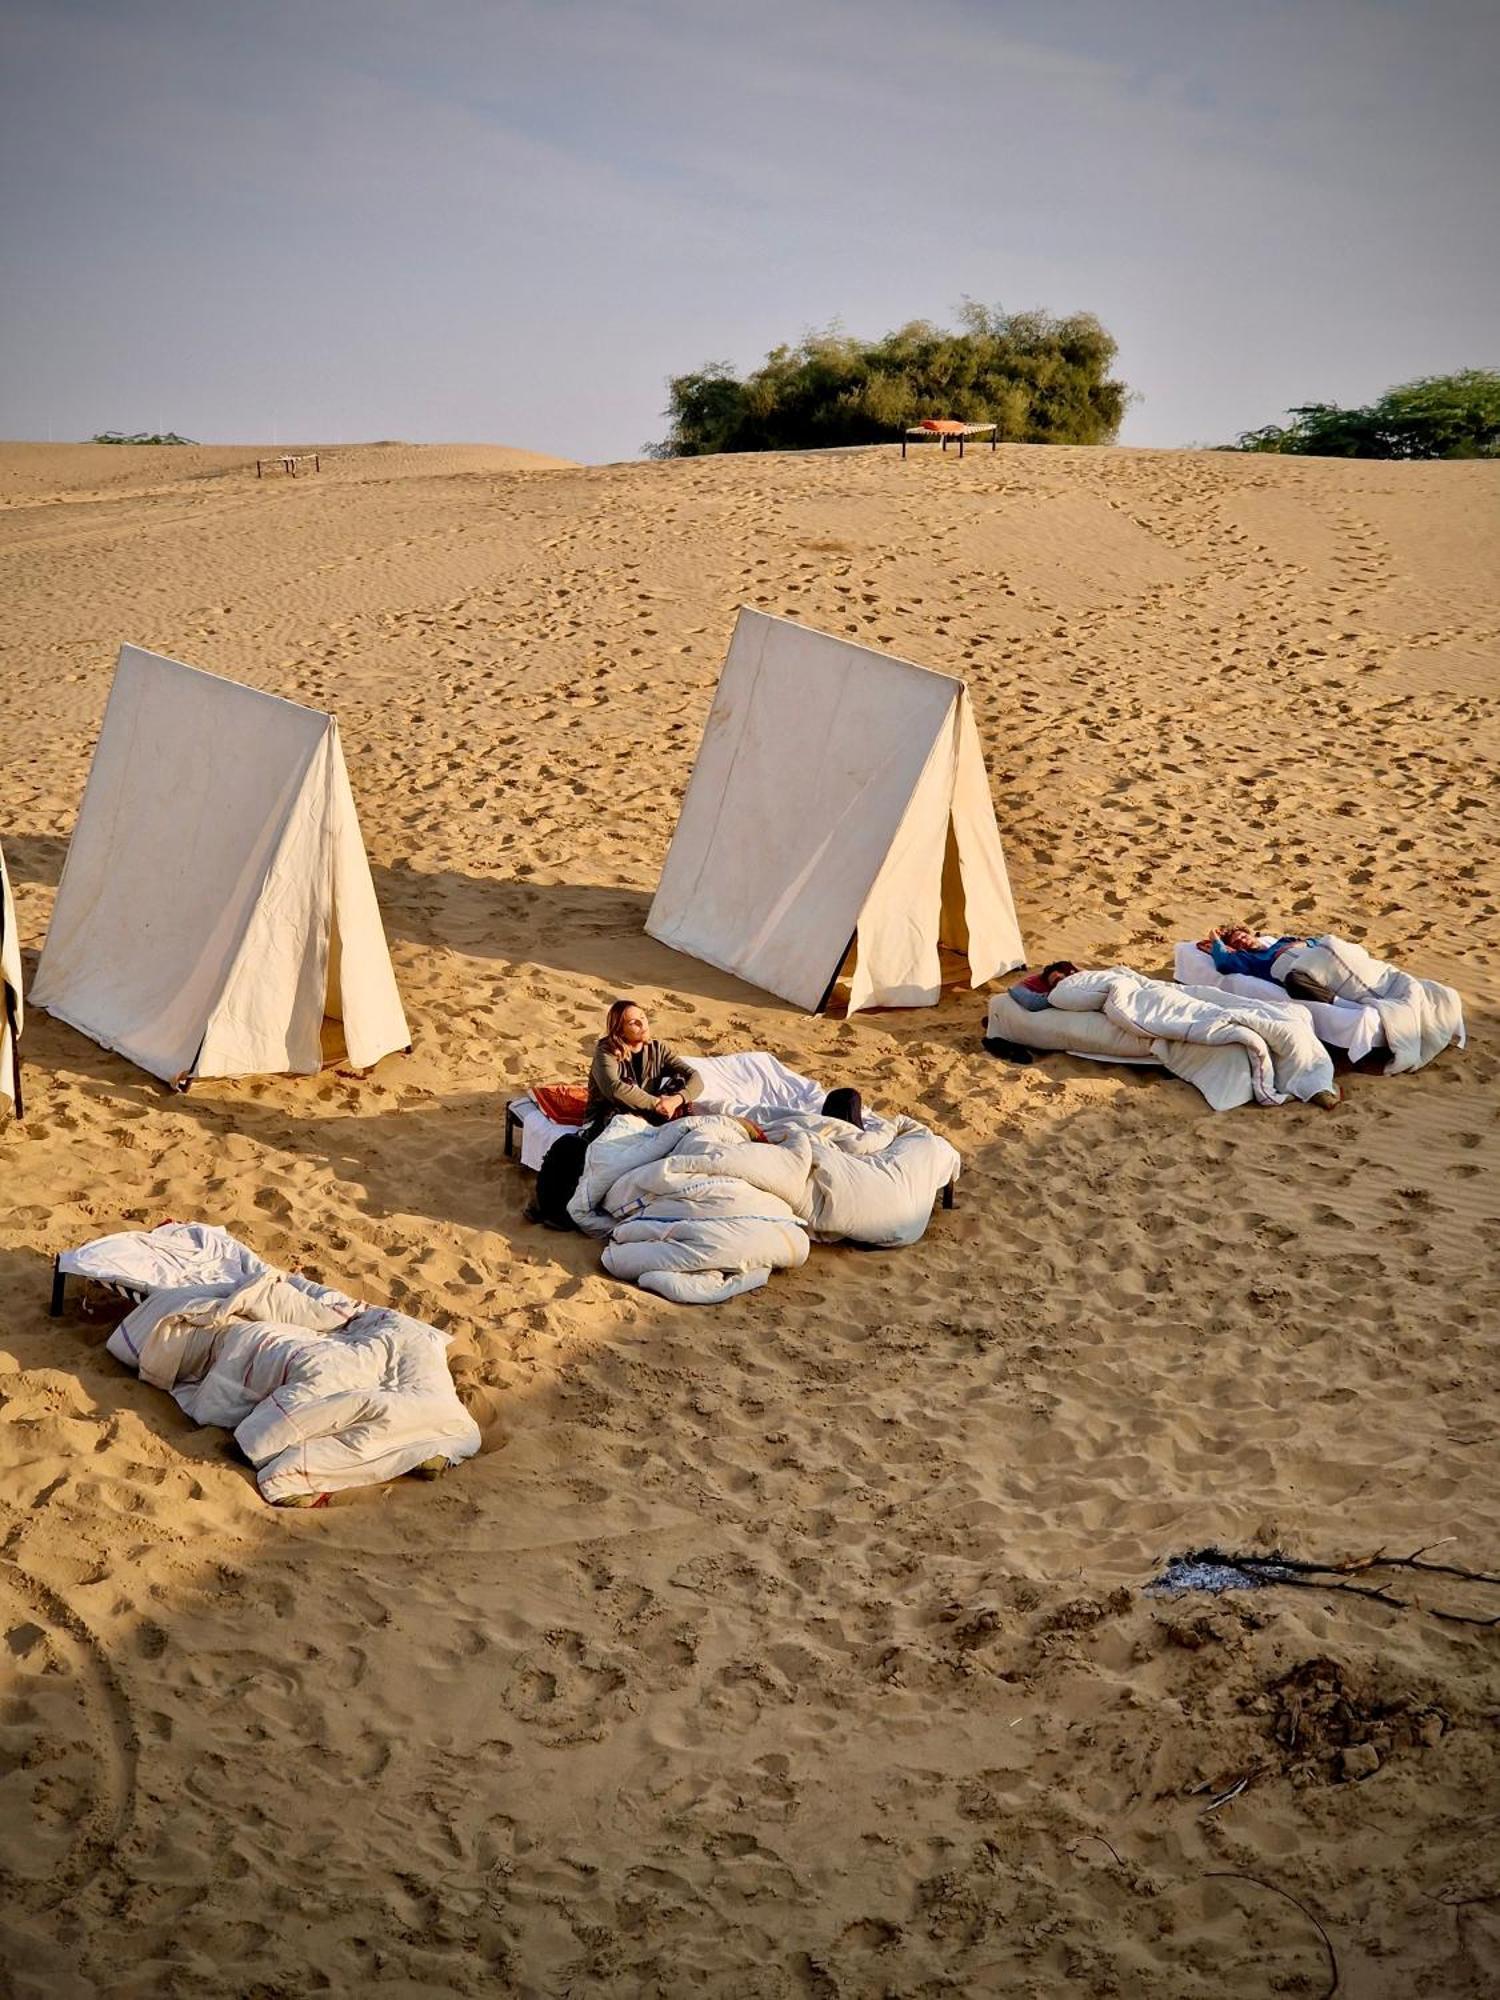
pixel 833 977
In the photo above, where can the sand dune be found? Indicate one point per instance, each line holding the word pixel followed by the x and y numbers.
pixel 796 1647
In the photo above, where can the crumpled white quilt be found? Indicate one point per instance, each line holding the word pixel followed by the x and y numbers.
pixel 1420 1017
pixel 1229 1048
pixel 697 1211
pixel 322 1393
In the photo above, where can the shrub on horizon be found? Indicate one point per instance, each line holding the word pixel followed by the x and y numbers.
pixel 139 437
pixel 1041 380
pixel 1437 416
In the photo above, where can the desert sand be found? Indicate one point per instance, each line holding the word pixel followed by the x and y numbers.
pixel 796 1647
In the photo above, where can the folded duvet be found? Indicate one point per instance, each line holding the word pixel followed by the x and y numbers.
pixel 322 1393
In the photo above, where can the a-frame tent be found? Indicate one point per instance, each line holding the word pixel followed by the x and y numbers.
pixel 216 904
pixel 839 800
pixel 12 1014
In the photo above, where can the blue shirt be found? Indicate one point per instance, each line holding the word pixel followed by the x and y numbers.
pixel 1256 964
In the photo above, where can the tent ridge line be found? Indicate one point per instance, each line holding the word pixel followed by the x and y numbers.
pixel 855 646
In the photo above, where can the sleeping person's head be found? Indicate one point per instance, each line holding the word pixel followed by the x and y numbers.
pixel 1051 975
pixel 845 1104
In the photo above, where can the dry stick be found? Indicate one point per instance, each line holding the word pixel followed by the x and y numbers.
pixel 1299 1575
pixel 1106 1843
pixel 1380 1560
pixel 1317 1582
pixel 1459 1618
pixel 1235 1875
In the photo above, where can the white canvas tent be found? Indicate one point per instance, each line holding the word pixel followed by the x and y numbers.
pixel 12 1014
pixel 839 798
pixel 216 903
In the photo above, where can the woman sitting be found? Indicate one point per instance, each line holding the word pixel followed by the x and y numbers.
pixel 630 1072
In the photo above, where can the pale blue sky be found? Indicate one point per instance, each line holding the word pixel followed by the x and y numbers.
pixel 511 220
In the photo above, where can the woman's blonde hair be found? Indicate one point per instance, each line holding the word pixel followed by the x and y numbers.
pixel 617 1012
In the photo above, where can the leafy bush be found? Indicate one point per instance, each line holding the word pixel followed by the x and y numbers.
pixel 1042 380
pixel 140 437
pixel 1438 416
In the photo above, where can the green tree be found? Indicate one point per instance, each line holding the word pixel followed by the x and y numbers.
pixel 1042 380
pixel 1437 416
pixel 140 437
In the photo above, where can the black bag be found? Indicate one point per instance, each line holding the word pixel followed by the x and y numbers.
pixel 558 1178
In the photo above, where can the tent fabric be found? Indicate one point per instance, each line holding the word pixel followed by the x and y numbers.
pixel 216 901
pixel 12 1005
pixel 833 788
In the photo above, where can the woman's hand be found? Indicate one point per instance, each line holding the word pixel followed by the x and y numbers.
pixel 670 1106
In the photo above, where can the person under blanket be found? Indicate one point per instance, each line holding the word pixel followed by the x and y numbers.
pixel 1044 985
pixel 1032 992
pixel 1235 948
pixel 631 1072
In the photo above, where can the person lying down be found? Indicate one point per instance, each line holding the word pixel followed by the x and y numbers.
pixel 1233 1051
pixel 1236 948
pixel 1419 1017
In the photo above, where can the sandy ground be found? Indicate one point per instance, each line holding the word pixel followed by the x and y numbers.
pixel 795 1647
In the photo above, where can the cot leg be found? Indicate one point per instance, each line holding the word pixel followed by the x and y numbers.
pixel 59 1287
pixel 948 1195
pixel 903 447
pixel 960 447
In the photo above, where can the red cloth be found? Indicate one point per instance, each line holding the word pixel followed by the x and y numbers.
pixel 949 424
pixel 563 1103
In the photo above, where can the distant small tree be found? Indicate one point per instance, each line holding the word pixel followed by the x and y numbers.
pixel 1041 380
pixel 1437 416
pixel 139 437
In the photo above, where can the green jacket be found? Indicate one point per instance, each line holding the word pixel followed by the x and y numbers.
pixel 635 1083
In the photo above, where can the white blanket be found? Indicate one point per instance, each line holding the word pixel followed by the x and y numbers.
pixel 1419 1017
pixel 697 1211
pixel 11 1003
pixel 1231 1049
pixel 322 1393
pixel 176 1254
pixel 1342 1024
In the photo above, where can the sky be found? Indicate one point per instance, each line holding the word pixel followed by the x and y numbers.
pixel 510 221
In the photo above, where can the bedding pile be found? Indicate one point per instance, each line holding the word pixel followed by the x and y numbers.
pixel 1419 1017
pixel 1232 1050
pixel 700 1210
pixel 321 1392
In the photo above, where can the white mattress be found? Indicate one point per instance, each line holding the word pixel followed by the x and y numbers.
pixel 736 1085
pixel 1338 1023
